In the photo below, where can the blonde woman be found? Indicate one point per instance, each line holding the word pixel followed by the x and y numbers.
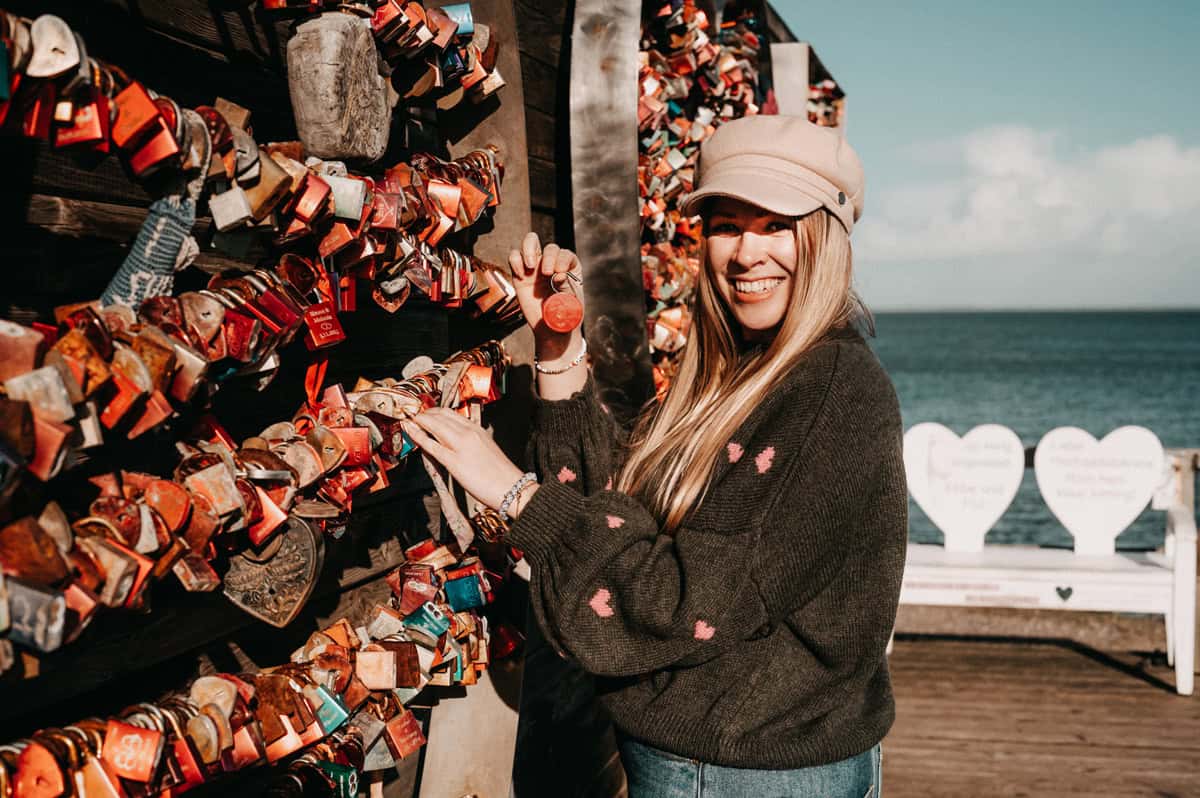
pixel 731 575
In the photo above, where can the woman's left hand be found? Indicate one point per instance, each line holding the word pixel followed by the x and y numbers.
pixel 467 451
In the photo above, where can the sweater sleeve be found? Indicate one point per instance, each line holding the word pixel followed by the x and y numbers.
pixel 575 441
pixel 614 592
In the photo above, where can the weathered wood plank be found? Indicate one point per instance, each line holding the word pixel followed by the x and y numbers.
pixel 238 32
pixel 543 184
pixel 542 29
pixel 543 139
pixel 541 84
pixel 1101 630
pixel 85 219
pixel 41 169
pixel 1020 718
pixel 603 97
pixel 543 225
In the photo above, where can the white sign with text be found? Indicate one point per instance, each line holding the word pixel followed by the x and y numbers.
pixel 963 484
pixel 1097 488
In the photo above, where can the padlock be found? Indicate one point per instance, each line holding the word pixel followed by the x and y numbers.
pixel 403 735
pixel 37 616
pixel 349 194
pixel 45 391
pixel 83 604
pixel 29 554
pixel 89 125
pixel 230 209
pixel 136 115
pixel 271 188
pixel 414 595
pixel 562 311
pixel 244 335
pixel 97 781
pixel 388 21
pixel 216 485
pixel 39 774
pixel 427 624
pixel 132 752
pixel 247 166
pixel 323 327
pixel 55 49
pixel 195 574
pixel 21 349
pixel 125 571
pixel 159 148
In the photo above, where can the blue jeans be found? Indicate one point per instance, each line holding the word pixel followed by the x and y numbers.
pixel 657 774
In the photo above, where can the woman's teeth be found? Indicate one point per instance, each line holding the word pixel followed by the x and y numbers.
pixel 757 286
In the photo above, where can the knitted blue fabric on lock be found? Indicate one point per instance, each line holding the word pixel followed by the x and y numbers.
pixel 149 268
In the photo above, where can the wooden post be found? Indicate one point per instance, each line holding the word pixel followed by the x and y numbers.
pixel 604 154
pixel 790 61
pixel 472 738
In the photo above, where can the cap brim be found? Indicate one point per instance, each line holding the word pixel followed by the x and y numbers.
pixel 763 190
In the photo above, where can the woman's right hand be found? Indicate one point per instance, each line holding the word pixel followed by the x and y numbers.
pixel 533 271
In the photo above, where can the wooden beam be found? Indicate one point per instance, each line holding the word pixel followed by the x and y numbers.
pixel 107 221
pixel 460 759
pixel 604 156
pixel 542 29
pixel 239 33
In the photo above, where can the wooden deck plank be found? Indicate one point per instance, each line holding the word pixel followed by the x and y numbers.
pixel 1033 718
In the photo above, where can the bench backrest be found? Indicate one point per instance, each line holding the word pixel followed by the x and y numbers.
pixel 1095 488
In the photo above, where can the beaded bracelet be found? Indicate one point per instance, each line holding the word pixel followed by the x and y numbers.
pixel 515 491
pixel 537 364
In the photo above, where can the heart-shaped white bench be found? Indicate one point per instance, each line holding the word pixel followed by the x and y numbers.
pixel 963 484
pixel 1095 489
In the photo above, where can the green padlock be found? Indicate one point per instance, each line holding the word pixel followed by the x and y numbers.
pixel 344 778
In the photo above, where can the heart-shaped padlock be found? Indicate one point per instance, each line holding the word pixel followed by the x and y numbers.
pixel 276 590
pixel 562 311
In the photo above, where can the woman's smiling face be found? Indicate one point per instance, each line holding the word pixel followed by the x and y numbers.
pixel 754 259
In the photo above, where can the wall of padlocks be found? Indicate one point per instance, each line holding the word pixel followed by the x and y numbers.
pixel 228 295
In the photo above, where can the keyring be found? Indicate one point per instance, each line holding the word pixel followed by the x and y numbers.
pixel 562 311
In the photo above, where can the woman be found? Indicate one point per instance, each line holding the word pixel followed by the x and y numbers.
pixel 732 578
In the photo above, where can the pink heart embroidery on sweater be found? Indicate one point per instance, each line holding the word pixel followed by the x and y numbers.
pixel 704 631
pixel 599 603
pixel 608 485
pixel 566 475
pixel 763 461
pixel 735 452
pixel 614 521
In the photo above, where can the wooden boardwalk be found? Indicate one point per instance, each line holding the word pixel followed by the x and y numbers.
pixel 979 717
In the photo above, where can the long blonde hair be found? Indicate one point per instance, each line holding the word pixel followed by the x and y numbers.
pixel 672 451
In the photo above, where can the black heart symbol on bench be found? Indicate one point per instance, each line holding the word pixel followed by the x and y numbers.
pixel 1064 593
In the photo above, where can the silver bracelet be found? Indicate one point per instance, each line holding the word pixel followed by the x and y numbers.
pixel 514 492
pixel 537 364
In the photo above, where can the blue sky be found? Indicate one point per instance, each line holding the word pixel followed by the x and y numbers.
pixel 1020 154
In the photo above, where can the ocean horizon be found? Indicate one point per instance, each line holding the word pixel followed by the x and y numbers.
pixel 1035 370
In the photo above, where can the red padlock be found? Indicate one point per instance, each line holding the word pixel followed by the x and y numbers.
pixel 562 311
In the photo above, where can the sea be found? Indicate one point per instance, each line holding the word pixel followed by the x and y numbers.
pixel 1035 371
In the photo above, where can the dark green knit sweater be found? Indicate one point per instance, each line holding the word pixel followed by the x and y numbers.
pixel 754 636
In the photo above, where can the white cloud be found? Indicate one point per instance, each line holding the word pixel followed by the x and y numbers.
pixel 1017 191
